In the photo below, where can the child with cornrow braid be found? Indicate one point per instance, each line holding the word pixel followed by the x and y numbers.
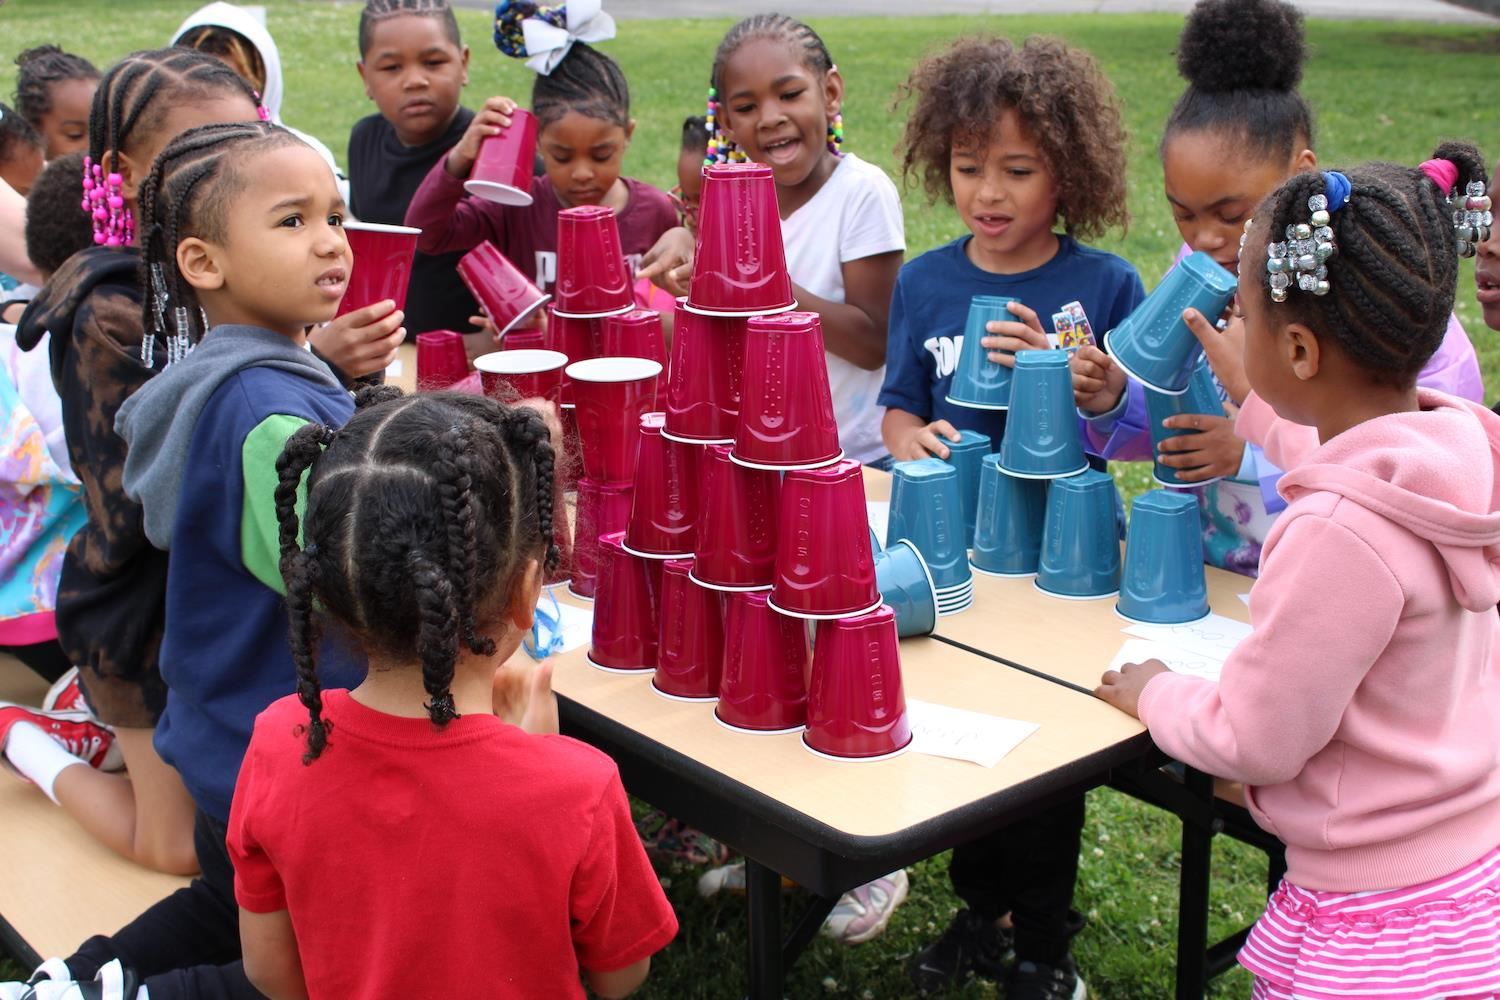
pixel 54 91
pixel 426 536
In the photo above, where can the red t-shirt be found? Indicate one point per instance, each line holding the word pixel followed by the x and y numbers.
pixel 450 220
pixel 476 860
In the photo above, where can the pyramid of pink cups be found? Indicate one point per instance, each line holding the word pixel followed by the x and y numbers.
pixel 716 531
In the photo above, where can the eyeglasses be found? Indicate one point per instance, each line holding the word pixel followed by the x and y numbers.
pixel 687 211
pixel 546 635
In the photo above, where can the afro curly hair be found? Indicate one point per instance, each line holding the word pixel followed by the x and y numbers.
pixel 57 227
pixel 1062 99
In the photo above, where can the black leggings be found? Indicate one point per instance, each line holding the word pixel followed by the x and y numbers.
pixel 187 945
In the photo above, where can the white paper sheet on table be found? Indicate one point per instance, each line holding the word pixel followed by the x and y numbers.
pixel 941 731
pixel 1245 598
pixel 1177 659
pixel 878 512
pixel 1214 636
pixel 393 370
pixel 577 626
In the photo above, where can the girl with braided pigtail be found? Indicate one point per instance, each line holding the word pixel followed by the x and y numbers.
pixel 1360 712
pixel 424 540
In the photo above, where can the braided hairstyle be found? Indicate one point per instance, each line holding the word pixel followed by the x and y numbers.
pixel 187 194
pixel 420 513
pixel 38 70
pixel 1392 275
pixel 694 133
pixel 1242 60
pixel 778 27
pixel 56 227
pixel 585 80
pixel 376 11
pixel 232 47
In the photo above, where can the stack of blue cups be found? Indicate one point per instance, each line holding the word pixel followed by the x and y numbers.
pixel 1080 557
pixel 927 511
pixel 967 455
pixel 1164 582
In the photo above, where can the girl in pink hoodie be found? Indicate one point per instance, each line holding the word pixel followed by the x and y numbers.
pixel 1361 712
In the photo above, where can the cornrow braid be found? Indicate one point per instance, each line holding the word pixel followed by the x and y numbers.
pixel 437 638
pixel 779 27
pixel 586 81
pixel 528 433
pixel 376 11
pixel 38 70
pixel 455 487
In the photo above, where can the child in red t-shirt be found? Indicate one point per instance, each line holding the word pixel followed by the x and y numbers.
pixel 400 839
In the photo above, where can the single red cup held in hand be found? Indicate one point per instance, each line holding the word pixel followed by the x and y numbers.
pixel 786 407
pixel 611 395
pixel 690 648
pixel 664 515
pixel 441 360
pixel 737 514
pixel 856 709
pixel 739 264
pixel 625 610
pixel 601 509
pixel 509 376
pixel 382 264
pixel 704 381
pixel 505 294
pixel 824 564
pixel 592 278
pixel 763 688
pixel 635 334
pixel 502 171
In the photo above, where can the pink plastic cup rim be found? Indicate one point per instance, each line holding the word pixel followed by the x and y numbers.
pixel 613 312
pixel 871 759
pixel 525 361
pixel 500 194
pixel 525 313
pixel 721 442
pixel 739 313
pixel 724 588
pixel 577 596
pixel 794 467
pixel 658 556
pixel 379 227
pixel 607 370
pixel 616 670
pixel 688 699
pixel 822 617
pixel 757 732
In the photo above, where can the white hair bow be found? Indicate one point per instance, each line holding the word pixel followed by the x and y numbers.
pixel 546 44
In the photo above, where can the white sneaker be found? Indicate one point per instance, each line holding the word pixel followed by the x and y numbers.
pixel 716 880
pixel 861 914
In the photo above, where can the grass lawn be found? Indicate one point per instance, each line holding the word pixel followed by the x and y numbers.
pixel 1380 90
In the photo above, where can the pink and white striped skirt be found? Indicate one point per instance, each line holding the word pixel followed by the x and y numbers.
pixel 1436 941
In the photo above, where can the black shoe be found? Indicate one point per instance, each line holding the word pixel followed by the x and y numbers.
pixel 1037 981
pixel 972 945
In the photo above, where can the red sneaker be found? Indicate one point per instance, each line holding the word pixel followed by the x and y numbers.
pixel 65 695
pixel 75 732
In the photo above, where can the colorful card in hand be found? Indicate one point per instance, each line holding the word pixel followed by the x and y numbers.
pixel 1072 328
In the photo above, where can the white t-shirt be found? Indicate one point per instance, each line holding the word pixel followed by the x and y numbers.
pixel 855 214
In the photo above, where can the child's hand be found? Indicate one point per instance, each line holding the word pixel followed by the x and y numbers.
pixel 523 694
pixel 925 440
pixel 491 118
pixel 1024 333
pixel 669 263
pixel 1098 382
pixel 1225 349
pixel 363 341
pixel 1213 452
pixel 1122 688
pixel 486 327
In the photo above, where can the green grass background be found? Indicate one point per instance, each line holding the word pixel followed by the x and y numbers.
pixel 1379 90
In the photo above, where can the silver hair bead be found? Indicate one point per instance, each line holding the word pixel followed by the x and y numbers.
pixel 1303 231
pixel 1318 203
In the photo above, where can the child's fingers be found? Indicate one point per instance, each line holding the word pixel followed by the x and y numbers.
pixel 1029 336
pixel 931 443
pixel 944 428
pixel 1189 422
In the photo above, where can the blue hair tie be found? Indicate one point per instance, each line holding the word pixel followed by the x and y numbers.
pixel 1337 188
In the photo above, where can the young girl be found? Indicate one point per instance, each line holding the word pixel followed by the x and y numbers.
pixel 1487 264
pixel 528 836
pixel 778 99
pixel 1360 712
pixel 1240 129
pixel 54 91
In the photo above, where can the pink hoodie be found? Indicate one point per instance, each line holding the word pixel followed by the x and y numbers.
pixel 1364 710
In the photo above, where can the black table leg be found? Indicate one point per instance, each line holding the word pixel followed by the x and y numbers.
pixel 763 887
pixel 1192 894
pixel 806 928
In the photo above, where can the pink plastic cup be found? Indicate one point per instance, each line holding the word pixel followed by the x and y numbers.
pixel 602 509
pixel 635 334
pixel 505 294
pixel 703 386
pixel 690 648
pixel 856 709
pixel 824 565
pixel 664 513
pixel 786 408
pixel 764 685
pixel 573 337
pixel 592 279
pixel 510 376
pixel 382 264
pixel 739 265
pixel 611 395
pixel 625 611
pixel 736 545
pixel 441 360
pixel 502 172
pixel 527 339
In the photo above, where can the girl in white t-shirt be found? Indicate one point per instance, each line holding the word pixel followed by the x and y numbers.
pixel 777 95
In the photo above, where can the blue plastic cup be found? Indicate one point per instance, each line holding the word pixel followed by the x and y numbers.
pixel 906 585
pixel 927 509
pixel 1042 437
pixel 1163 582
pixel 978 382
pixel 1202 396
pixel 965 455
pixel 1153 344
pixel 1080 544
pixel 1012 513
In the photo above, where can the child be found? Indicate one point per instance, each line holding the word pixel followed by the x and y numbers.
pixel 990 132
pixel 1360 712
pixel 690 171
pixel 54 91
pixel 778 98
pixel 582 105
pixel 1240 129
pixel 531 834
pixel 1487 264
pixel 21 151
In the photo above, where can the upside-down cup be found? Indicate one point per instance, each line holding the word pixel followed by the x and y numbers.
pixel 1080 557
pixel 1009 524
pixel 1042 435
pixel 979 383
pixel 927 509
pixel 664 514
pixel 611 395
pixel 786 407
pixel 737 514
pixel 739 264
pixel 1202 396
pixel 382 264
pixel 703 384
pixel 529 338
pixel 1163 582
pixel 907 589
pixel 441 360
pixel 592 279
pixel 635 334
pixel 856 709
pixel 515 375
pixel 573 337
pixel 625 610
pixel 824 566
pixel 1153 345
pixel 763 689
pixel 602 509
pixel 505 294
pixel 690 648
pixel 502 171
pixel 967 455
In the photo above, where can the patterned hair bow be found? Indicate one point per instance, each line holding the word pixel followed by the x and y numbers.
pixel 542 35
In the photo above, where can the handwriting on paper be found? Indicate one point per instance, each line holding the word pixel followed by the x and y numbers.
pixel 942 731
pixel 1214 636
pixel 1177 659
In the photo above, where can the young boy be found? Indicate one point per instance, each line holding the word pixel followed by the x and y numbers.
pixel 414 68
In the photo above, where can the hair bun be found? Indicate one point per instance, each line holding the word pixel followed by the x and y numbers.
pixel 1242 45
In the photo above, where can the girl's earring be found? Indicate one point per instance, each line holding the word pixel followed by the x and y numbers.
pixel 836 134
